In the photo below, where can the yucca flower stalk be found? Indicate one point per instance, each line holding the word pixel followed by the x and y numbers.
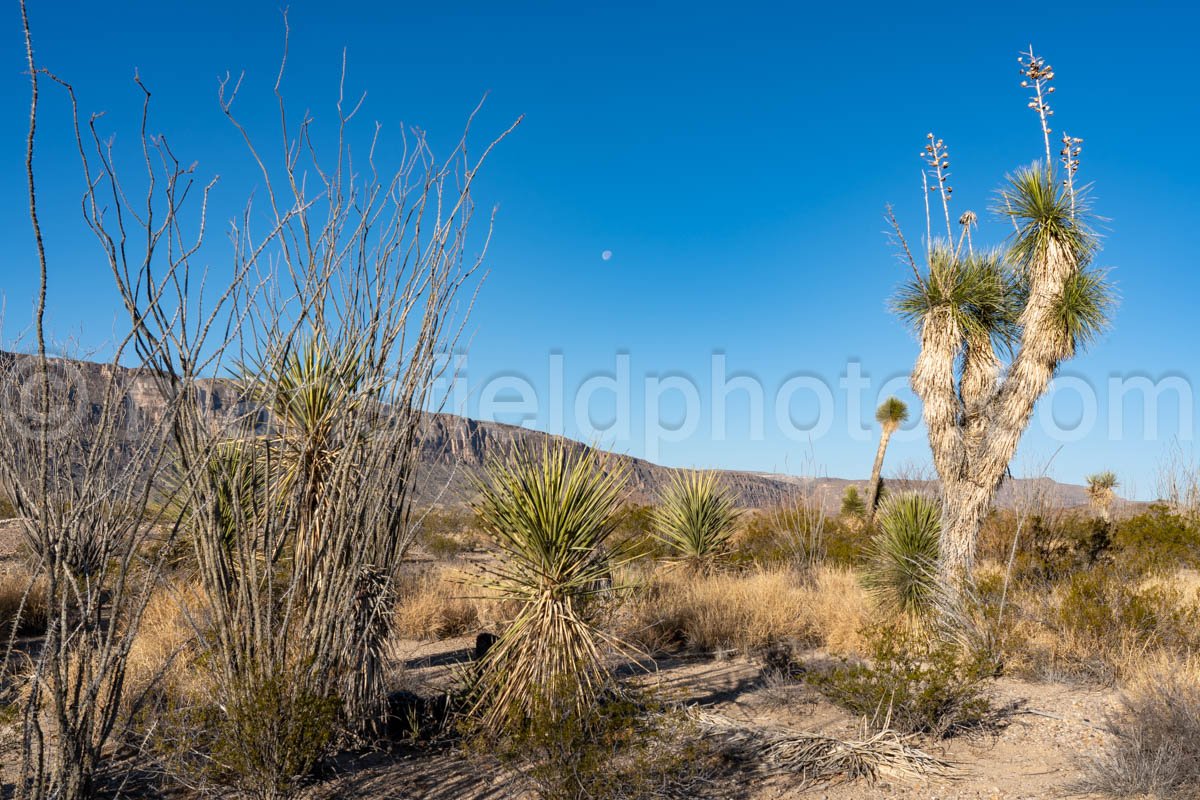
pixel 902 565
pixel 696 518
pixel 549 513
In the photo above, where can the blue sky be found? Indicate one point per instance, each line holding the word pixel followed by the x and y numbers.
pixel 735 160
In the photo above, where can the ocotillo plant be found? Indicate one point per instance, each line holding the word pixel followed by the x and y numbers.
pixel 1039 300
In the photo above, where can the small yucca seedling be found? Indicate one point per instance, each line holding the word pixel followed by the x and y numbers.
pixel 902 570
pixel 852 503
pixel 696 519
pixel 549 514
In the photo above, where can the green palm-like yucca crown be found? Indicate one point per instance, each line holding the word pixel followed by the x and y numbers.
pixel 696 518
pixel 902 565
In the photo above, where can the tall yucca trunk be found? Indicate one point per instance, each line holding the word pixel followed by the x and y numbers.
pixel 994 430
pixel 885 436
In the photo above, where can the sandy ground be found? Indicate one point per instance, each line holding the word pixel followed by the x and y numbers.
pixel 1035 756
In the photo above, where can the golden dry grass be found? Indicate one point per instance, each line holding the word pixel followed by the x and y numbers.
pixel 21 593
pixel 677 609
pixel 436 606
pixel 163 654
pixel 1153 748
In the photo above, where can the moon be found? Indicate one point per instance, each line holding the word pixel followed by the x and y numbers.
pixel 606 255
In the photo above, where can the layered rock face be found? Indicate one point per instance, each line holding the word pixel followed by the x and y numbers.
pixel 453 448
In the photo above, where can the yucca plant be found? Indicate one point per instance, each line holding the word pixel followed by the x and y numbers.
pixel 852 503
pixel 902 567
pixel 1101 491
pixel 696 518
pixel 1036 303
pixel 891 414
pixel 549 513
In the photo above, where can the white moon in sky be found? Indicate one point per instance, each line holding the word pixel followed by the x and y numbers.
pixel 606 255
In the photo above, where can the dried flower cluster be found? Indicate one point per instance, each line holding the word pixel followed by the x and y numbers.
pixel 1038 75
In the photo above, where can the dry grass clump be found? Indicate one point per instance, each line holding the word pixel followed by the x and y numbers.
pixel 747 611
pixel 163 653
pixel 1154 745
pixel 433 606
pixel 839 609
pixel 23 601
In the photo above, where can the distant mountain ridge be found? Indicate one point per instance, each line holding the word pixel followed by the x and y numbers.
pixel 455 448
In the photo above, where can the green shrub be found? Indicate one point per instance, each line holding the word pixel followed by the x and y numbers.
pixel 1157 539
pixel 1111 610
pixel 624 746
pixel 913 684
pixel 441 545
pixel 264 741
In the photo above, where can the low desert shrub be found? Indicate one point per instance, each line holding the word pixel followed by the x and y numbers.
pixel 1154 736
pixel 1157 539
pixel 434 606
pixel 624 746
pixel 1109 608
pixel 912 684
pixel 263 741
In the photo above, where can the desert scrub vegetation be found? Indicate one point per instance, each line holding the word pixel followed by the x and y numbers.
pixel 436 605
pixel 23 609
pixel 912 682
pixel 1153 745
pixel 1059 607
pixel 628 746
pixel 747 611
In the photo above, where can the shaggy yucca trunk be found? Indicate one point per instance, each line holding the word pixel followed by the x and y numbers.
pixel 994 428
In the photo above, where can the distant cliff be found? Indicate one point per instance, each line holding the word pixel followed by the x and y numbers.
pixel 453 448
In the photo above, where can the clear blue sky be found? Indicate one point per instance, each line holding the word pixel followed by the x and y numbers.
pixel 735 160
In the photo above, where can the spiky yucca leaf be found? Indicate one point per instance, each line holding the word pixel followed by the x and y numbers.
pixel 549 513
pixel 903 558
pixel 1085 307
pixel 979 291
pixel 1044 213
pixel 696 518
pixel 892 412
